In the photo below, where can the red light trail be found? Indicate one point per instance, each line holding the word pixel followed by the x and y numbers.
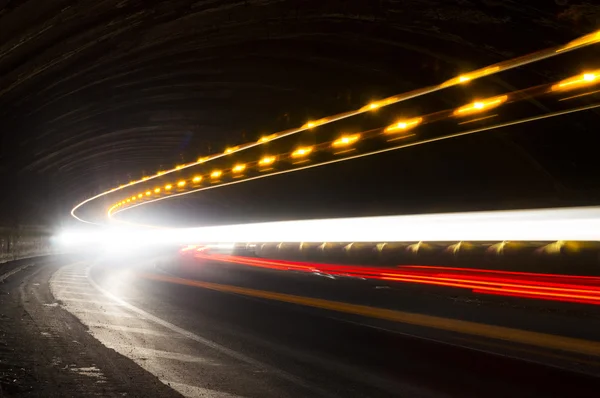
pixel 566 288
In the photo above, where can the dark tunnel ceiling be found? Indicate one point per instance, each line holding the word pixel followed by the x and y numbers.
pixel 96 92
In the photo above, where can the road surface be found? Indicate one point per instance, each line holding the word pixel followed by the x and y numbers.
pixel 87 328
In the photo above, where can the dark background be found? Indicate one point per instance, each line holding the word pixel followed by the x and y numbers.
pixel 96 93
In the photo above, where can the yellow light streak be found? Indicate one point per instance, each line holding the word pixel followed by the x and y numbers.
pixel 345 140
pixel 403 125
pixel 267 161
pixel 582 80
pixel 480 106
pixel 301 152
pixel 239 168
pixel 582 41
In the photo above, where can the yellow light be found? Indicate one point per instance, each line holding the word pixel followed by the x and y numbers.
pixel 467 77
pixel 585 79
pixel 301 152
pixel 202 159
pixel 403 125
pixel 145 178
pixel 587 39
pixel 181 184
pixel 378 104
pixel 148 193
pixel 480 106
pixel 133 198
pixel 310 125
pixel 267 161
pixel 231 149
pixel 345 140
pixel 156 190
pixel 239 168
pixel 168 187
pixel 128 200
pixel 216 174
pixel 266 138
pixel 179 166
pixel 197 179
pixel 140 195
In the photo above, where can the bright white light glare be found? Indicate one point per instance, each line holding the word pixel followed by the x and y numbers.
pixel 580 224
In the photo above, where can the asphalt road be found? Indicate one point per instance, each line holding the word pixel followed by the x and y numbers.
pixel 98 328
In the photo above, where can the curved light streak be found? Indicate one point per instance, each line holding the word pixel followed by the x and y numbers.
pixel 583 41
pixel 411 144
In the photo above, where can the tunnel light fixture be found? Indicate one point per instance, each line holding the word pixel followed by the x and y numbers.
pixel 582 80
pixel 302 152
pixel 467 77
pixel 582 41
pixel 480 106
pixel 403 125
pixel 238 168
pixel 267 138
pixel 267 161
pixel 346 140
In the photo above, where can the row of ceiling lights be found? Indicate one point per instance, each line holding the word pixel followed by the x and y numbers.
pixel 402 125
pixel 347 140
pixel 583 41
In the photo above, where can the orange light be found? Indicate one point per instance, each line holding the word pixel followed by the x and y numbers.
pixel 266 138
pixel 231 149
pixel 156 190
pixel 403 125
pixel 585 79
pixel 378 104
pixel 216 174
pixel 301 152
pixel 159 173
pixel 480 106
pixel 267 160
pixel 168 187
pixel 467 77
pixel 148 193
pixel 197 179
pixel 133 198
pixel 203 159
pixel 140 195
pixel 128 200
pixel 315 123
pixel 587 39
pixel 181 184
pixel 179 166
pixel 345 140
pixel 239 168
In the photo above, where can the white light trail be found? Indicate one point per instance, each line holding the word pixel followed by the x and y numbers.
pixel 562 224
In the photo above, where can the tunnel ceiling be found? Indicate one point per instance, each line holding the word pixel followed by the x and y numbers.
pixel 93 93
